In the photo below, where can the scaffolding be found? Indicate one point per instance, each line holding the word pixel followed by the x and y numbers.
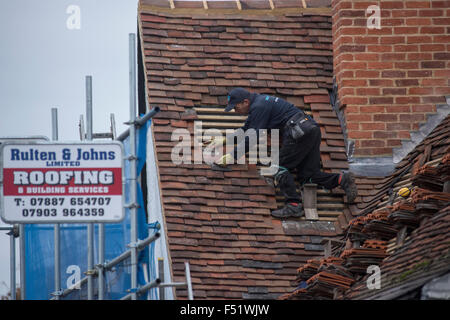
pixel 135 246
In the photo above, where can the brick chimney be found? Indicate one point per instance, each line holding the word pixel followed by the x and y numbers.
pixel 390 79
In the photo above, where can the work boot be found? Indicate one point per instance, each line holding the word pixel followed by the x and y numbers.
pixel 288 211
pixel 347 182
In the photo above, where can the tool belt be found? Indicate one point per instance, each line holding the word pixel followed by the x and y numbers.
pixel 299 126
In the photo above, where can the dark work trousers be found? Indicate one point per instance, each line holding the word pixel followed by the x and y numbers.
pixel 303 155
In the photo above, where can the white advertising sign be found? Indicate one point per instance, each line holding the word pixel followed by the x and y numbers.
pixel 62 182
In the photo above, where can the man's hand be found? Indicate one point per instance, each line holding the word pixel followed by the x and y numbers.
pixel 215 141
pixel 225 160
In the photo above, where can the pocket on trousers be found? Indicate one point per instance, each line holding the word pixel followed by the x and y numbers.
pixel 299 128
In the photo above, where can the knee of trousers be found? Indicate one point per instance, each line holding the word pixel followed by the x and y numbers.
pixel 281 176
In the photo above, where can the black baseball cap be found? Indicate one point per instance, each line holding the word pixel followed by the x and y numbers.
pixel 235 96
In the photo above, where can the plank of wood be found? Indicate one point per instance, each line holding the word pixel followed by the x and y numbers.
pixel 221 118
pixel 221 125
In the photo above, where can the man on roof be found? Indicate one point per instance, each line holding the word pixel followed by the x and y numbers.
pixel 300 147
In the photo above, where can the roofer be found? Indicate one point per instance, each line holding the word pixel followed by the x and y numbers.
pixel 300 147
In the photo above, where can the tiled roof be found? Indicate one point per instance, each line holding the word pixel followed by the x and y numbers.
pixel 385 218
pixel 424 256
pixel 245 4
pixel 220 221
pixel 430 151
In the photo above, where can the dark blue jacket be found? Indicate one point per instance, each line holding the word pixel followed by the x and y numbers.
pixel 267 112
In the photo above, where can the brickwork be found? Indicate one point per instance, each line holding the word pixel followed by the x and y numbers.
pixel 390 78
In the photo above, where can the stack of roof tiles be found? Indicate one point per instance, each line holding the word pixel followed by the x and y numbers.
pixel 404 214
pixel 428 202
pixel 375 244
pixel 308 270
pixel 373 225
pixel 358 259
pixel 324 283
pixel 427 177
pixel 322 277
pixel 355 228
pixel 425 253
pixel 331 275
pixel 220 221
pixel 378 226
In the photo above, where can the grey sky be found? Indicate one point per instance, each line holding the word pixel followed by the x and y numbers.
pixel 43 64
